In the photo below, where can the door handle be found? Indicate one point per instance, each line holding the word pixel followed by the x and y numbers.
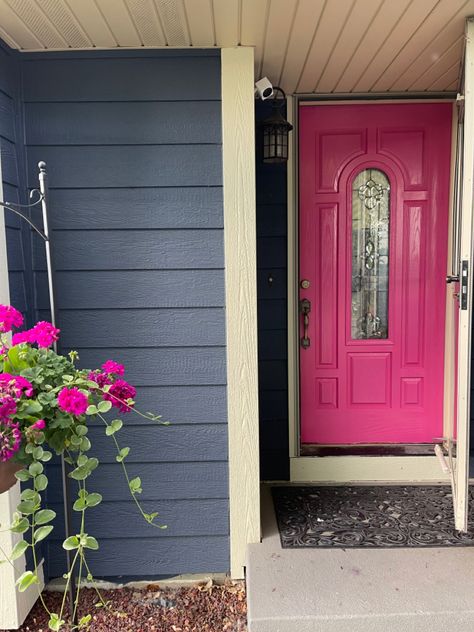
pixel 305 308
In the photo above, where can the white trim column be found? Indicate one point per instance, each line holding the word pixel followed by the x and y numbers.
pixel 238 156
pixel 14 606
pixel 465 315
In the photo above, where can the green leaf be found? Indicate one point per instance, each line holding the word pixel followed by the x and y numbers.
pixel 92 410
pixel 80 504
pixel 42 533
pixel 67 379
pixel 29 494
pixel 27 507
pixel 55 623
pixel 20 526
pixel 44 516
pixel 93 500
pixel 80 473
pixel 71 543
pixel 91 543
pixel 85 444
pixel 113 427
pixel 76 440
pixel 104 406
pixel 38 453
pixel 82 430
pixel 18 550
pixel 29 448
pixel 124 452
pixel 26 580
pixel 84 621
pixel 23 475
pixel 36 468
pixel 136 485
pixel 47 456
pixel 41 483
pixel 82 460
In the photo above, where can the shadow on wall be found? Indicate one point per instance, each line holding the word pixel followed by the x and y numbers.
pixel 272 309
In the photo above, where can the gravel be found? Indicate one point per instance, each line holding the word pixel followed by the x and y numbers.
pixel 206 608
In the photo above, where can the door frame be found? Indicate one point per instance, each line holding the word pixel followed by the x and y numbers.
pixel 352 469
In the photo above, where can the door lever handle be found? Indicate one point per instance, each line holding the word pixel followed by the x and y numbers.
pixel 305 308
pixel 452 278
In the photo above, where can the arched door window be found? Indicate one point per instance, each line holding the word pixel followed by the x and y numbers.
pixel 370 254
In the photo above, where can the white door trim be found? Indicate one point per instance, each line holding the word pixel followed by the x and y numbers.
pixel 322 469
pixel 465 315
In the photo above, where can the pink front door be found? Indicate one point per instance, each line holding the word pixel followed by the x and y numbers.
pixel 374 184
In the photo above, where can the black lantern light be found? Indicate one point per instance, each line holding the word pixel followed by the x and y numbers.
pixel 275 131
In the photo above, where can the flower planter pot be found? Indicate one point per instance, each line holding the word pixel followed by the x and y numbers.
pixel 7 475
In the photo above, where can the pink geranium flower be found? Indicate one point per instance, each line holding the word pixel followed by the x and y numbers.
pixel 39 425
pixel 100 378
pixel 9 318
pixel 71 400
pixel 22 337
pixel 44 334
pixel 110 366
pixel 15 385
pixel 10 440
pixel 119 393
pixel 7 408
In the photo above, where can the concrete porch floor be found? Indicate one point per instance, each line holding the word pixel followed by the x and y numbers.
pixel 369 590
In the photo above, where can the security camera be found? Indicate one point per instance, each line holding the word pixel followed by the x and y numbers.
pixel 263 88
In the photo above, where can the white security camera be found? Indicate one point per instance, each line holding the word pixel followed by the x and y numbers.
pixel 264 88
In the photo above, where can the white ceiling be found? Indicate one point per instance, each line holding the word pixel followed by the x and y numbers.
pixel 305 46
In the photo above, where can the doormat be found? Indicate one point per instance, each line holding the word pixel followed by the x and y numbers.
pixel 368 517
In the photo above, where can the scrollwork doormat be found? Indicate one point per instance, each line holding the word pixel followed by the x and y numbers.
pixel 369 517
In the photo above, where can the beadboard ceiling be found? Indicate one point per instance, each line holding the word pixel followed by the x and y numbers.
pixel 306 46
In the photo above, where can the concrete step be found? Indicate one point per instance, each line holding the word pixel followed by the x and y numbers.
pixel 355 590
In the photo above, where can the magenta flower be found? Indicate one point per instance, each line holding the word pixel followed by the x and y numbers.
pixel 22 336
pixel 15 385
pixel 44 334
pixel 39 425
pixel 110 366
pixel 7 408
pixel 101 379
pixel 10 440
pixel 119 393
pixel 9 318
pixel 71 400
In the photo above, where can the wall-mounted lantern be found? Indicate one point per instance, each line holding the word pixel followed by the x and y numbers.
pixel 275 131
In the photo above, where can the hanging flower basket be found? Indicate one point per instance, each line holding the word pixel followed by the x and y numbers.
pixel 46 405
pixel 8 470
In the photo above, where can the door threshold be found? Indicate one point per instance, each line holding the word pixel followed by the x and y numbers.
pixel 371 449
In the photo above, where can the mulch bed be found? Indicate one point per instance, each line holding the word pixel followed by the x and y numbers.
pixel 207 608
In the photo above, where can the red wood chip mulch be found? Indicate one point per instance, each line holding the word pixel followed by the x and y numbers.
pixel 209 608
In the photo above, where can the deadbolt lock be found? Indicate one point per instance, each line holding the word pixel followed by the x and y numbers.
pixel 305 284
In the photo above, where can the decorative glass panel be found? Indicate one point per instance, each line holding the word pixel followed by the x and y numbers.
pixel 370 254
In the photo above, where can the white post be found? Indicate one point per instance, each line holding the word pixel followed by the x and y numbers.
pixel 465 315
pixel 14 606
pixel 238 156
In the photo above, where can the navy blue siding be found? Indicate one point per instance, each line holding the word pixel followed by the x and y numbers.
pixel 272 311
pixel 11 156
pixel 134 160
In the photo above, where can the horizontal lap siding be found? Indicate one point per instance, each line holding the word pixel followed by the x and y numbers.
pixel 272 311
pixel 133 147
pixel 17 234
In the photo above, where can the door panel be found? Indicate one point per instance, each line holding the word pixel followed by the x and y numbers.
pixel 374 183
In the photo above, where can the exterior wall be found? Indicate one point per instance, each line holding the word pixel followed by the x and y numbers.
pixel 272 310
pixel 133 147
pixel 11 152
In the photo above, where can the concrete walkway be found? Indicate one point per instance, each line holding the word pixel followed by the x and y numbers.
pixel 355 590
